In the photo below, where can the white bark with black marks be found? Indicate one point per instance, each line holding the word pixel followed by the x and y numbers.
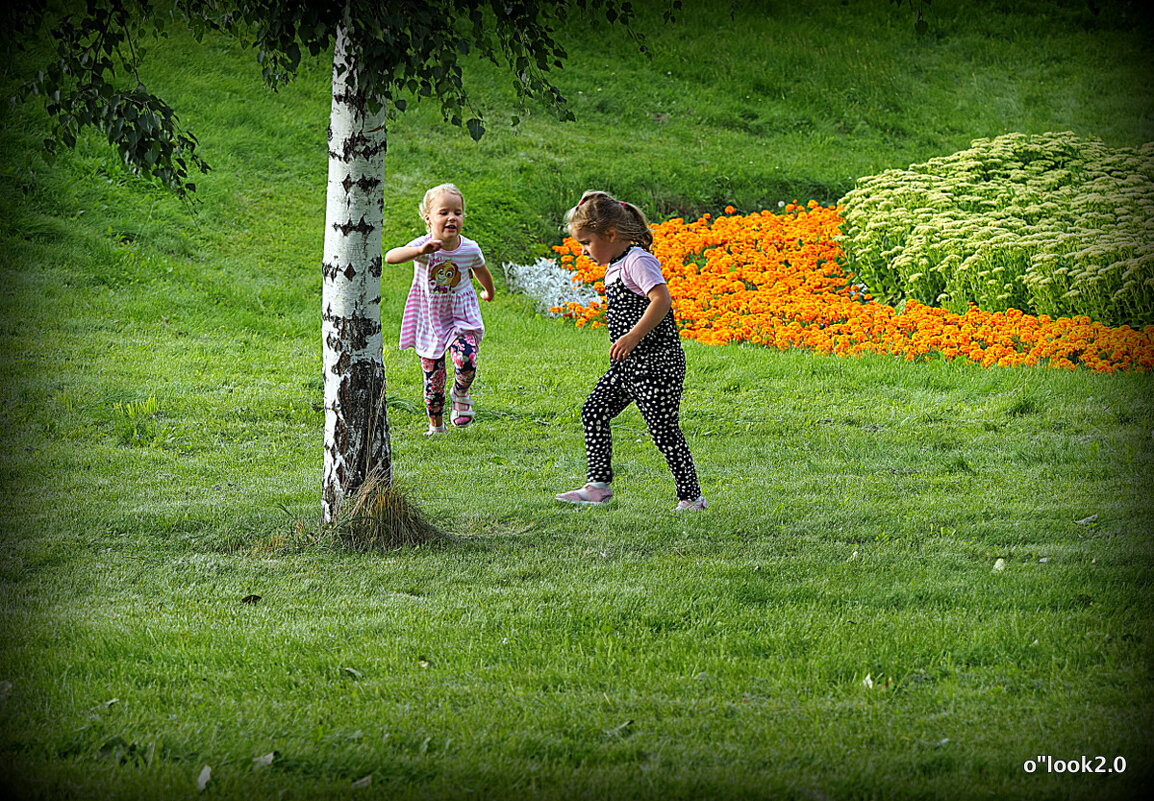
pixel 356 424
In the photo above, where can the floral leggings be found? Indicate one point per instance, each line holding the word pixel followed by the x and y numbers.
pixel 463 352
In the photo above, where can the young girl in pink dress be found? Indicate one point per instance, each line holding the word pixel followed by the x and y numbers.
pixel 442 313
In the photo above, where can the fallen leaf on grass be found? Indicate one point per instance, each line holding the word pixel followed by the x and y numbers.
pixel 999 565
pixel 362 783
pixel 619 731
pixel 264 760
pixel 881 684
pixel 1085 521
pixel 203 779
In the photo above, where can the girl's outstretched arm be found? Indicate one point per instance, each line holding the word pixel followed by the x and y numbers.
pixel 660 302
pixel 486 279
pixel 406 253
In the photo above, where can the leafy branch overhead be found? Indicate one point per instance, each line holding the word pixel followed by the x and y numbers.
pixel 411 48
pixel 91 81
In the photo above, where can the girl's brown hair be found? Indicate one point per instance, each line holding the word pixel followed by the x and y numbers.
pixel 597 212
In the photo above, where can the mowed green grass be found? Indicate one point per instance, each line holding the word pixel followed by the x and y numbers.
pixel 162 452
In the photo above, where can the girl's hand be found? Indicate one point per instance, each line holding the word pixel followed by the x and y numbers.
pixel 432 246
pixel 485 278
pixel 620 349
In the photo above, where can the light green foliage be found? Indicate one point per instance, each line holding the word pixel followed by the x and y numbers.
pixel 137 421
pixel 1051 224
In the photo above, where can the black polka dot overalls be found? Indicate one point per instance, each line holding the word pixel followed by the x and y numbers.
pixel 651 376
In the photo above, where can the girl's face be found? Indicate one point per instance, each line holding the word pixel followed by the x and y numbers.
pixel 445 217
pixel 601 248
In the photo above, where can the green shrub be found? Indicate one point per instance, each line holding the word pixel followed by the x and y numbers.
pixel 1050 224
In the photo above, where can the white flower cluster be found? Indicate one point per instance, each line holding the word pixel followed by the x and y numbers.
pixel 548 283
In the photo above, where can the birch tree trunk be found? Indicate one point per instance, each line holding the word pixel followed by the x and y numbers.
pixel 356 423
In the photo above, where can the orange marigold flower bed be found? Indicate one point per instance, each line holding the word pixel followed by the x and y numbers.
pixel 776 280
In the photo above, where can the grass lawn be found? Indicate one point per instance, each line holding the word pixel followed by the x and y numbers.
pixel 913 580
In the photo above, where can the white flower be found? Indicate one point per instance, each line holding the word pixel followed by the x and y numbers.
pixel 548 283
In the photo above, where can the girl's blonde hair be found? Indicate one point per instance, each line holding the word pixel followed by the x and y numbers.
pixel 597 212
pixel 441 189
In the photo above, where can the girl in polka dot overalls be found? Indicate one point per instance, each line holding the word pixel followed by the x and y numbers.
pixel 647 362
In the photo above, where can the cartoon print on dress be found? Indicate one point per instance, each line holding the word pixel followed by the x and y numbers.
pixel 444 277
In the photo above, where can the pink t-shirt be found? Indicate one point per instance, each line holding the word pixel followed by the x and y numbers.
pixel 638 269
pixel 442 303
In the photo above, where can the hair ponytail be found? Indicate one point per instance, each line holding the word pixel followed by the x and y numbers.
pixel 598 212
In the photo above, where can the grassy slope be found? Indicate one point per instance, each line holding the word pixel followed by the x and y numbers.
pixel 623 652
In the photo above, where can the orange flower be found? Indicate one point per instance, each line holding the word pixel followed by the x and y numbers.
pixel 776 280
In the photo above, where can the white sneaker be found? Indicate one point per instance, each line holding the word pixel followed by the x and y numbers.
pixel 589 495
pixel 692 506
pixel 436 431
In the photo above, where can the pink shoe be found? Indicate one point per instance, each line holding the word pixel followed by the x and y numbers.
pixel 692 506
pixel 589 495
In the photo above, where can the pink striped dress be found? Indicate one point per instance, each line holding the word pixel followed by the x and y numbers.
pixel 442 303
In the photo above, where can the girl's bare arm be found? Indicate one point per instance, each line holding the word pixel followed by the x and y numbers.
pixel 486 278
